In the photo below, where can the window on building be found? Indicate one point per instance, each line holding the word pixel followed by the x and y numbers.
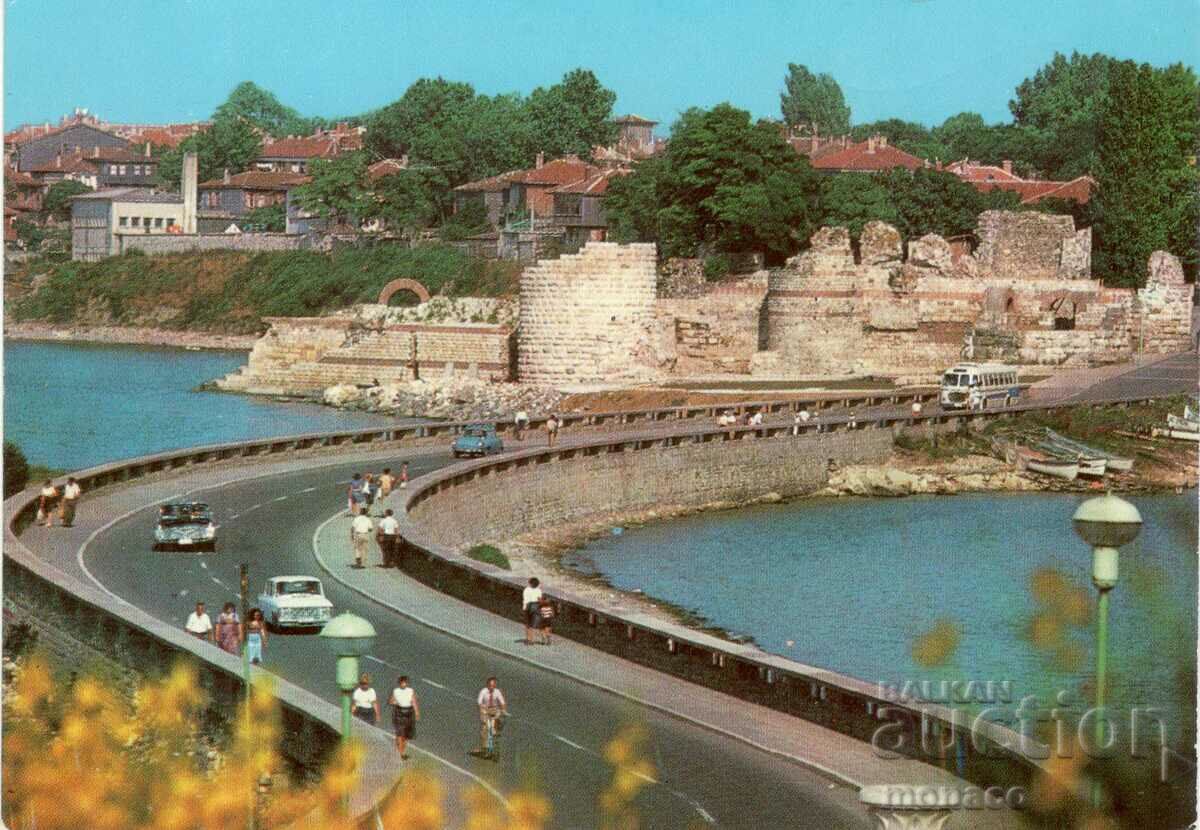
pixel 146 223
pixel 134 220
pixel 158 221
pixel 137 169
pixel 122 169
pixel 123 222
pixel 247 199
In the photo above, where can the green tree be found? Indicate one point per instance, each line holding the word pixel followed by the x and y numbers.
pixel 16 469
pixel 470 219
pixel 631 203
pixel 724 183
pixel 337 190
pixel 814 99
pixel 573 116
pixel 425 123
pixel 1065 99
pixel 228 144
pixel 933 201
pixel 58 198
pixel 407 201
pixel 1147 195
pixel 254 105
pixel 272 218
pixel 854 199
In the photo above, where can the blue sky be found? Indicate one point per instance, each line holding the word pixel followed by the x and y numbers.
pixel 922 60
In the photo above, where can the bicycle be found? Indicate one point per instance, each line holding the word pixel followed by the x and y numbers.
pixel 495 726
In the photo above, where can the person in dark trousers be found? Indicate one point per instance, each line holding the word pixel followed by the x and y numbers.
pixel 70 498
pixel 405 714
pixel 366 703
pixel 529 605
pixel 545 619
pixel 387 535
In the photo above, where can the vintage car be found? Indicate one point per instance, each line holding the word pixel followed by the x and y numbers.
pixel 477 439
pixel 295 602
pixel 185 525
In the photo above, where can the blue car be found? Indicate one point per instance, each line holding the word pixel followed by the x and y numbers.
pixel 477 439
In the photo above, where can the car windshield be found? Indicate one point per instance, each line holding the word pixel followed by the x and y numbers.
pixel 177 514
pixel 299 586
pixel 477 432
pixel 953 379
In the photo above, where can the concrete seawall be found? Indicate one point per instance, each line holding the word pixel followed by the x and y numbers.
pixel 540 492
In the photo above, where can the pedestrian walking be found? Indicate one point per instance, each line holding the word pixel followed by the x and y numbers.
pixel 387 536
pixel 552 430
pixel 256 635
pixel 229 629
pixel 405 714
pixel 403 475
pixel 796 424
pixel 360 534
pixel 46 501
pixel 70 499
pixel 369 492
pixel 354 494
pixel 757 419
pixel 916 409
pixel 529 604
pixel 522 421
pixel 366 703
pixel 199 624
pixel 545 619
pixel 386 482
pixel 853 420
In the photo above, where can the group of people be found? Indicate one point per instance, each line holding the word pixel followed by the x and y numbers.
pixel 539 613
pixel 406 710
pixel 51 501
pixel 728 419
pixel 364 491
pixel 553 425
pixel 229 632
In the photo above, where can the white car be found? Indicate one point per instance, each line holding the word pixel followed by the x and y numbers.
pixel 295 602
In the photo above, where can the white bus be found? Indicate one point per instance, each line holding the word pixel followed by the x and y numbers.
pixel 972 385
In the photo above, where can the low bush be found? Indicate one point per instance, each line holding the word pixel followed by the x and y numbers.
pixel 491 555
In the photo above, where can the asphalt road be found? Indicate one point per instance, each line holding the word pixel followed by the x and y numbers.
pixel 1178 374
pixel 556 736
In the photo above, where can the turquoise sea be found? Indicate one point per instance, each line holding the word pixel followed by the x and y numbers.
pixel 71 406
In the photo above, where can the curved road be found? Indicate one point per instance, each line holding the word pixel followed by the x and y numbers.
pixel 559 726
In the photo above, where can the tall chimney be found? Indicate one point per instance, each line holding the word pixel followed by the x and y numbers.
pixel 1007 165
pixel 225 177
pixel 96 152
pixel 147 149
pixel 871 144
pixel 541 159
pixel 189 192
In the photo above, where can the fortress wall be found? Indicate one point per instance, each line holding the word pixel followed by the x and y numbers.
pixel 586 317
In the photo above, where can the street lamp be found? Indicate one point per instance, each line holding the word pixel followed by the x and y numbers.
pixel 1106 523
pixel 349 637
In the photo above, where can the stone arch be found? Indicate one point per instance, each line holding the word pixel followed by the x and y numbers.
pixel 1064 309
pixel 396 286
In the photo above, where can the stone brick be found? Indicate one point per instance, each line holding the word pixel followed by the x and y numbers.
pixel 879 243
pixel 930 251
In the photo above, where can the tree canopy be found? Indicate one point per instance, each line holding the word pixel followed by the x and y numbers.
pixel 573 116
pixel 256 106
pixel 1147 198
pixel 58 197
pixel 725 184
pixel 229 144
pixel 813 99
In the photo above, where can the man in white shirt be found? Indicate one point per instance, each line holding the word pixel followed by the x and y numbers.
pixel 360 534
pixel 70 498
pixel 529 604
pixel 522 420
pixel 199 624
pixel 491 705
pixel 389 535
pixel 757 419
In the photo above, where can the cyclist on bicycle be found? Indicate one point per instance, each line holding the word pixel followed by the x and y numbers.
pixel 491 706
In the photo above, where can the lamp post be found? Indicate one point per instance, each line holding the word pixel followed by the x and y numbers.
pixel 349 637
pixel 1106 523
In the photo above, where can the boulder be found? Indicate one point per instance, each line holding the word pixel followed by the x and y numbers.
pixel 343 394
pixel 930 251
pixel 880 242
pixel 834 240
pixel 1165 268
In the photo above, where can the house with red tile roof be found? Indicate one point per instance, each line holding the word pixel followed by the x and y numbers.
pixel 294 154
pixel 227 200
pixel 533 187
pixel 986 177
pixel 875 155
pixel 579 208
pixel 491 192
pixel 22 191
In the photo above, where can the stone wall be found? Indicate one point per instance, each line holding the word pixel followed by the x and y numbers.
pixel 588 317
pixel 534 495
pixel 715 333
pixel 301 355
pixel 155 244
pixel 1029 245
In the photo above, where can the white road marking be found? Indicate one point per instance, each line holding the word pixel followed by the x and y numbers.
pixel 309 490
pixel 645 777
pixel 570 743
pixel 281 498
pixel 204 565
pixel 433 683
pixel 92 537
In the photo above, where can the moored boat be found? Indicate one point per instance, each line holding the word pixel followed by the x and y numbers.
pixel 1090 466
pixel 1026 459
pixel 1180 434
pixel 1115 463
pixel 1183 424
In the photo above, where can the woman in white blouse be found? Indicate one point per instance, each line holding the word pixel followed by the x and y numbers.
pixel 405 714
pixel 366 704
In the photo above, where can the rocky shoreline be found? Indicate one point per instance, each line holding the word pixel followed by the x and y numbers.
pixel 128 335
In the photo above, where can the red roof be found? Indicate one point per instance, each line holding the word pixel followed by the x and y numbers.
pixel 595 185
pixel 300 148
pixel 867 156
pixel 491 184
pixel 70 164
pixel 160 137
pixel 972 172
pixel 560 171
pixel 258 180
pixel 386 167
pixel 15 178
pixel 1080 189
pixel 634 119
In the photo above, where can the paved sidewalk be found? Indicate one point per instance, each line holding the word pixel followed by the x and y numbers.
pixel 838 756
